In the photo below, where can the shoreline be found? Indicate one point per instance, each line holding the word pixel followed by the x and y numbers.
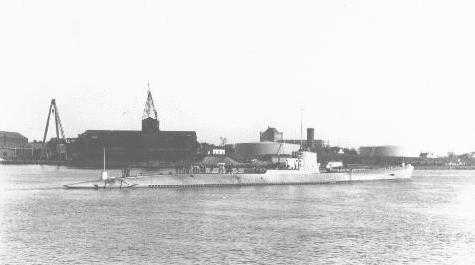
pixel 161 164
pixel 92 164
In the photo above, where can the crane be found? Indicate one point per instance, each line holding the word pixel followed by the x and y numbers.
pixel 53 109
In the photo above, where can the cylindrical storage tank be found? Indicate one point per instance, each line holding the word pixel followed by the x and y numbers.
pixel 382 151
pixel 310 134
pixel 265 148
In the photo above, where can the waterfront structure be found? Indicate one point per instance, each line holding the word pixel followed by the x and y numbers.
pixel 310 134
pixel 136 145
pixel 310 143
pixel 426 155
pixel 37 149
pixel 61 151
pixel 217 152
pixel 270 144
pixel 265 148
pixel 149 144
pixel 14 145
pixel 381 151
pixel 271 135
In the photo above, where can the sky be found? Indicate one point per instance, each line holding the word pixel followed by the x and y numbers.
pixel 363 72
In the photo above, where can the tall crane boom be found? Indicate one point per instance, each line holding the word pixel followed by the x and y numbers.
pixel 149 111
pixel 60 137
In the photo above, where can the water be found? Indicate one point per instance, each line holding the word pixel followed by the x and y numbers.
pixel 429 220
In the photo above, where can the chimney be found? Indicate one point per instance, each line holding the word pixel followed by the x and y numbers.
pixel 310 134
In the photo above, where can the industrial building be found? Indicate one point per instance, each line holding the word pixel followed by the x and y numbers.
pixel 270 144
pixel 310 143
pixel 381 151
pixel 271 135
pixel 13 145
pixel 149 144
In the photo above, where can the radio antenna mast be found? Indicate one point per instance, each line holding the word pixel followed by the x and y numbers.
pixel 301 127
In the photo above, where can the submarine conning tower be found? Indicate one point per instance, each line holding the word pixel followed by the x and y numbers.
pixel 150 123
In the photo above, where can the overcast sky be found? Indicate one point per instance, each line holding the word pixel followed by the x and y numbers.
pixel 365 72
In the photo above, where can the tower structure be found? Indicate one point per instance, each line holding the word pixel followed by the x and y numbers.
pixel 60 142
pixel 150 123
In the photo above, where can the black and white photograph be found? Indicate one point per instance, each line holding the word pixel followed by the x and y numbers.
pixel 237 132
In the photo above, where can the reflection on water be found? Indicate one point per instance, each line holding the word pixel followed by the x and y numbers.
pixel 428 220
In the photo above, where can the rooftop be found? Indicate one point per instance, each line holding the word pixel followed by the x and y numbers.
pixel 11 134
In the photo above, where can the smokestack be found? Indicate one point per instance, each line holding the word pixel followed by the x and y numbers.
pixel 310 134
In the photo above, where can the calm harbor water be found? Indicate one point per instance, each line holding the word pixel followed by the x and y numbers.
pixel 428 220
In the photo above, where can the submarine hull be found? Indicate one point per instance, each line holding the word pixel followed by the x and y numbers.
pixel 270 177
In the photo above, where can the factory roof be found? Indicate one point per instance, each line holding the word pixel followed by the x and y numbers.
pixel 272 129
pixel 11 134
pixel 133 133
pixel 121 132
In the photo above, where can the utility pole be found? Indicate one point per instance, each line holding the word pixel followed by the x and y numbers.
pixel 59 129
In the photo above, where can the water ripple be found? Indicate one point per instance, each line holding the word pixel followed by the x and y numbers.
pixel 428 220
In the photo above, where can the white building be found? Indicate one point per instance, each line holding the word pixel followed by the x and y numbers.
pixel 217 151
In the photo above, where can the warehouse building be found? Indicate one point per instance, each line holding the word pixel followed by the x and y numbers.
pixel 149 144
pixel 13 145
pixel 271 135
